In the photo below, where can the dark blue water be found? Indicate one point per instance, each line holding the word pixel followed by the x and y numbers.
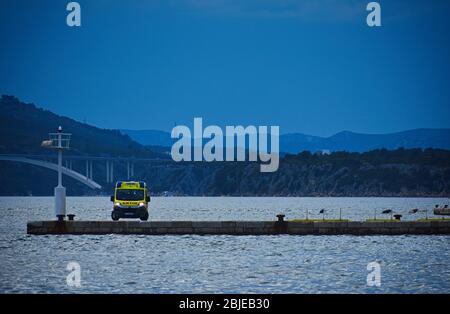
pixel 219 264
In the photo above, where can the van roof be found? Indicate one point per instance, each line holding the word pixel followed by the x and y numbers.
pixel 131 184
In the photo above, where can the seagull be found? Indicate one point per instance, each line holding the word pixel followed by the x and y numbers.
pixel 387 211
pixel 414 210
pixel 322 211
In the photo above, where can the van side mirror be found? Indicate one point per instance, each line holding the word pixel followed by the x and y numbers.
pixel 112 198
pixel 147 199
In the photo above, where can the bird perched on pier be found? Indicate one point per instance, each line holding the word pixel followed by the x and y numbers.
pixel 414 210
pixel 387 211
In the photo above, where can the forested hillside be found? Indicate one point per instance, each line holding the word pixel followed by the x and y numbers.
pixel 400 172
pixel 24 126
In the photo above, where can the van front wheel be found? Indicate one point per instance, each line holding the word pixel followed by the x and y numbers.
pixel 144 217
pixel 115 215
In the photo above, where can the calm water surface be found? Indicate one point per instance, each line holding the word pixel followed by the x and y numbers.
pixel 221 264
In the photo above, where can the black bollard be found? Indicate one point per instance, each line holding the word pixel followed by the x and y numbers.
pixel 71 216
pixel 280 225
pixel 397 216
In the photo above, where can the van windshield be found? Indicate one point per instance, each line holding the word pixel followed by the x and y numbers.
pixel 129 195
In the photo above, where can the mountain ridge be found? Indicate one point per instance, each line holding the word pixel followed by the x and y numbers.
pixel 342 141
pixel 400 172
pixel 23 126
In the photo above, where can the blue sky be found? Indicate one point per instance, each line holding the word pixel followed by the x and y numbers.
pixel 310 66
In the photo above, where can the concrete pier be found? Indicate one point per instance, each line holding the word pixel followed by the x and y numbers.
pixel 239 227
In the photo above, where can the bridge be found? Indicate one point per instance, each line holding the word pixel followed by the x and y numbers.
pixel 46 161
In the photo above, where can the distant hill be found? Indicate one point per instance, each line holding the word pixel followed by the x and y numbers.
pixel 343 141
pixel 24 126
pixel 149 137
pixel 400 173
pixel 380 172
pixel 358 142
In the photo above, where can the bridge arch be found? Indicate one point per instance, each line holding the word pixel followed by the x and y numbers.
pixel 49 165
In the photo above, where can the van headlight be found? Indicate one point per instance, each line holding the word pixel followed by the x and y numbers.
pixel 141 204
pixel 117 204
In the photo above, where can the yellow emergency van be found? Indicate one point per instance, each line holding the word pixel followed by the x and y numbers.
pixel 130 200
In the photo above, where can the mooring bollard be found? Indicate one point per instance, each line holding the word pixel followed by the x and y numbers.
pixel 71 216
pixel 60 217
pixel 397 216
pixel 280 225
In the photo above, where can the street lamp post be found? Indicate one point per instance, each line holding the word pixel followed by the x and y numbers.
pixel 59 141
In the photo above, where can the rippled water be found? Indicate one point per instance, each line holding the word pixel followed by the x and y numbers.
pixel 216 264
